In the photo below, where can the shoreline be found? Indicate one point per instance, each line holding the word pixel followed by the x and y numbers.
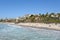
pixel 51 26
pixel 41 26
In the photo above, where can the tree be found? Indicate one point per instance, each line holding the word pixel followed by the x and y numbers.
pixel 43 15
pixel 39 14
pixel 52 14
pixel 46 15
pixel 58 14
pixel 1 20
pixel 32 18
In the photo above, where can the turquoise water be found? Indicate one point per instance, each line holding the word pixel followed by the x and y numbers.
pixel 14 33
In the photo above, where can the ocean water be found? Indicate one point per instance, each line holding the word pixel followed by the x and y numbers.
pixel 15 33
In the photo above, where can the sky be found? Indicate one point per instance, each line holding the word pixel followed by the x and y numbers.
pixel 16 8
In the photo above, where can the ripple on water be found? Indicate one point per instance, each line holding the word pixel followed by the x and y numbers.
pixel 14 33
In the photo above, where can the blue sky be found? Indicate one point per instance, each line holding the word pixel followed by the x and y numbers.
pixel 16 8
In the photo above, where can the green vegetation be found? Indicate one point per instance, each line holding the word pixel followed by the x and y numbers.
pixel 40 18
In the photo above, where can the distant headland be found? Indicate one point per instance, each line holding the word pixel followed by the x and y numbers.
pixel 35 18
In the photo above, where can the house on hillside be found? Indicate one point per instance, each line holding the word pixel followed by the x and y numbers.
pixel 55 15
pixel 27 15
pixel 17 19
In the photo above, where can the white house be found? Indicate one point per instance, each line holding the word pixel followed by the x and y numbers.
pixel 54 15
pixel 17 19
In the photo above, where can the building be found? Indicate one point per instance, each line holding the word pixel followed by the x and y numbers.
pixel 17 19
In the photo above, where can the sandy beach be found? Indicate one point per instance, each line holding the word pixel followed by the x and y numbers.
pixel 41 25
pixel 51 26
